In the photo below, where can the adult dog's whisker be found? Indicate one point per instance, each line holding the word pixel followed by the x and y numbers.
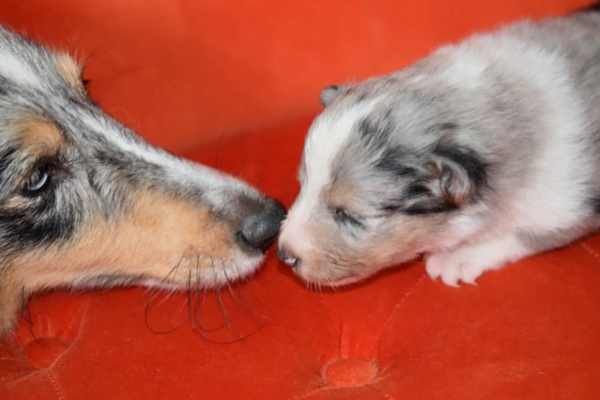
pixel 240 299
pixel 225 316
pixel 92 57
pixel 197 307
pixel 155 288
pixel 146 321
pixel 197 316
pixel 196 304
pixel 165 297
pixel 238 339
pixel 191 311
pixel 195 312
pixel 154 292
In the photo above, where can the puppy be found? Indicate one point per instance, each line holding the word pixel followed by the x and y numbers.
pixel 85 202
pixel 479 155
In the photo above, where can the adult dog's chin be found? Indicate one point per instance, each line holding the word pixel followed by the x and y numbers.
pixel 212 273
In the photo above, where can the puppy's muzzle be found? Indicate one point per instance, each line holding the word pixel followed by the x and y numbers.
pixel 260 226
pixel 288 258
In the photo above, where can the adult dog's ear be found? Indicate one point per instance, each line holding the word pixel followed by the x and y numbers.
pixel 330 93
pixel 457 173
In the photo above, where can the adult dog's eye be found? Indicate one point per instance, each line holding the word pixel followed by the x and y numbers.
pixel 39 180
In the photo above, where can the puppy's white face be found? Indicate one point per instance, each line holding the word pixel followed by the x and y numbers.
pixel 383 178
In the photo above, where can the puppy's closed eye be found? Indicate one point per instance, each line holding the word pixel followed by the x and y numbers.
pixel 344 216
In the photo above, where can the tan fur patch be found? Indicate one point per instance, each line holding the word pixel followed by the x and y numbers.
pixel 148 242
pixel 340 196
pixel 39 137
pixel 70 70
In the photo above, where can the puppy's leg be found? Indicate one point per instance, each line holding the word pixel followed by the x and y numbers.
pixel 467 262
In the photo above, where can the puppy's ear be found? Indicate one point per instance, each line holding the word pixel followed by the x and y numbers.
pixel 457 173
pixel 441 181
pixel 330 93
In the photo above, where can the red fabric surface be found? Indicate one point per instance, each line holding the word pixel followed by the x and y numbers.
pixel 529 330
pixel 174 69
pixel 183 72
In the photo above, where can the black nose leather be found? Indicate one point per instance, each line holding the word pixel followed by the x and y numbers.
pixel 261 224
pixel 288 258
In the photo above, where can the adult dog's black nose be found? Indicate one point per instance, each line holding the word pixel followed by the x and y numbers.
pixel 260 226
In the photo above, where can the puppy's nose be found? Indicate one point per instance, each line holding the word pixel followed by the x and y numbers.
pixel 260 226
pixel 288 258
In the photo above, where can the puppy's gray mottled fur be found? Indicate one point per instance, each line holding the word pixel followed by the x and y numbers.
pixel 481 154
pixel 84 201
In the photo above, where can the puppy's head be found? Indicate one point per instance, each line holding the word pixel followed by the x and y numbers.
pixel 84 201
pixel 386 175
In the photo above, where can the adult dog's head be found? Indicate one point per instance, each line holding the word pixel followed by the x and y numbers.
pixel 84 201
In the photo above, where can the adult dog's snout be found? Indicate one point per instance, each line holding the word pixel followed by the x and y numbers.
pixel 260 226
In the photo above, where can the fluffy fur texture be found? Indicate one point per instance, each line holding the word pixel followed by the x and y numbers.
pixel 481 154
pixel 86 202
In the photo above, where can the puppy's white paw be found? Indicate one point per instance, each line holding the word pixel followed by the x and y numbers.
pixel 466 263
pixel 454 267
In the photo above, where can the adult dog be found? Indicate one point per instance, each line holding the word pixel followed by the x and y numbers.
pixel 86 202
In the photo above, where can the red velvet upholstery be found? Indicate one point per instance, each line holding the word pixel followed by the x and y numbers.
pixel 234 84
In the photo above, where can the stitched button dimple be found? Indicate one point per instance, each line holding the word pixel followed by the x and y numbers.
pixel 349 373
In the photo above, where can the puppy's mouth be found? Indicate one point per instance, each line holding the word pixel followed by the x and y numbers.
pixel 343 281
pixel 323 280
pixel 323 275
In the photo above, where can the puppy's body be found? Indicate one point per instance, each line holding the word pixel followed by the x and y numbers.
pixel 482 153
pixel 84 201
